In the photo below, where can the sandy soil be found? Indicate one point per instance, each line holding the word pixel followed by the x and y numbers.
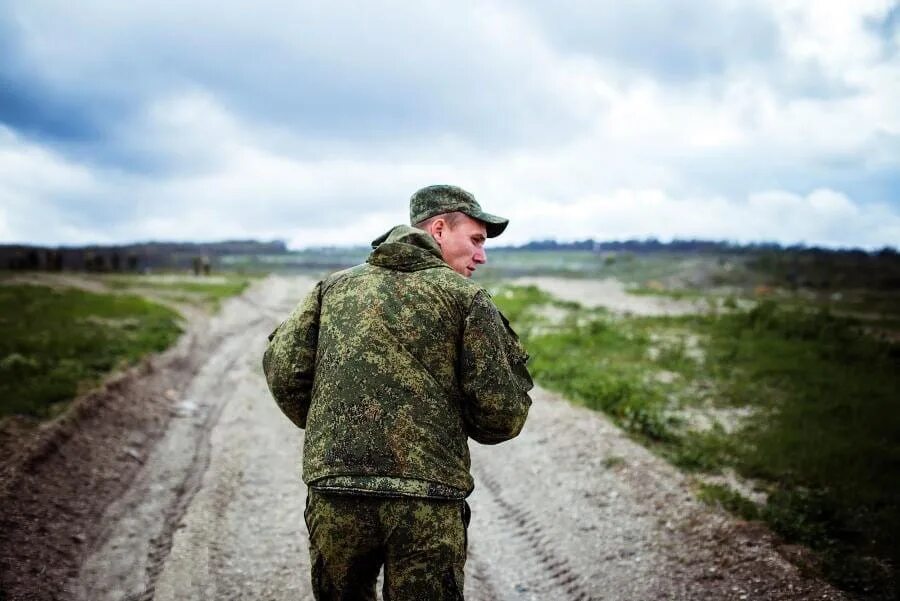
pixel 610 294
pixel 181 481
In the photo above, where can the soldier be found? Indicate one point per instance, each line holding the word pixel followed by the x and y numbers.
pixel 391 366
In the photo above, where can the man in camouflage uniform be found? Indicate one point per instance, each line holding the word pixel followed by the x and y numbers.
pixel 391 366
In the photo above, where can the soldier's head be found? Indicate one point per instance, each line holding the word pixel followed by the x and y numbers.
pixel 457 223
pixel 460 238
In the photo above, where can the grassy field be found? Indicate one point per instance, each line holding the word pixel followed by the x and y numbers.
pixel 205 292
pixel 57 341
pixel 800 405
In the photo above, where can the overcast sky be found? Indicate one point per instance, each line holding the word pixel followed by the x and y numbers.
pixel 313 122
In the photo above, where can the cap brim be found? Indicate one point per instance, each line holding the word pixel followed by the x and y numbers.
pixel 493 224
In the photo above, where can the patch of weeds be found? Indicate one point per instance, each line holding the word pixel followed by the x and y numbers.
pixel 706 451
pixel 673 356
pixel 673 293
pixel 649 421
pixel 611 462
pixel 720 495
pixel 211 291
pixel 812 517
pixel 519 303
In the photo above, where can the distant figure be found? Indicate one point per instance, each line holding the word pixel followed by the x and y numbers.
pixel 390 366
pixel 34 261
pixel 201 265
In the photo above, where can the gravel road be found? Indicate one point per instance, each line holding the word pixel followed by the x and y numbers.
pixel 571 510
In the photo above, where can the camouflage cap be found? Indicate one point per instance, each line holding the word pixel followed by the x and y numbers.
pixel 435 200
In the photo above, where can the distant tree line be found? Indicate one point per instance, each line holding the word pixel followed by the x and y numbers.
pixel 653 245
pixel 793 266
pixel 131 257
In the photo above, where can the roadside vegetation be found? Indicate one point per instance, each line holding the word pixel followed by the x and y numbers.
pixel 784 413
pixel 206 292
pixel 55 343
pixel 60 334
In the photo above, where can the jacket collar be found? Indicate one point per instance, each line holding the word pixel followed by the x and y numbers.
pixel 405 248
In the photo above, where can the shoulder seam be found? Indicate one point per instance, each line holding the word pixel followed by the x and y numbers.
pixel 334 278
pixel 475 293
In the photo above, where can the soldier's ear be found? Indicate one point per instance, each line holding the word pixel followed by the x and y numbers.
pixel 438 228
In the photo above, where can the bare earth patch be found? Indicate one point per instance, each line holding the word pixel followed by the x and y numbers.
pixel 610 294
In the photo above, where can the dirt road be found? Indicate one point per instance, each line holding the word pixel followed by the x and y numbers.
pixel 212 508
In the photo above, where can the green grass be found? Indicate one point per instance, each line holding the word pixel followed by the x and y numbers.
pixel 54 343
pixel 828 432
pixel 522 303
pixel 723 496
pixel 612 462
pixel 208 293
pixel 677 294
pixel 591 358
pixel 822 435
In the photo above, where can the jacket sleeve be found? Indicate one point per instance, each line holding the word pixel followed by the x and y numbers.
pixel 290 359
pixel 495 381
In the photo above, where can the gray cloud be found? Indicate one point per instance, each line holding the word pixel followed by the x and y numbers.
pixel 354 72
pixel 677 40
pixel 888 27
pixel 685 42
pixel 309 121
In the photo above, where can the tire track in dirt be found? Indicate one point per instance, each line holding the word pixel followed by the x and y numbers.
pixel 185 491
pixel 149 516
pixel 546 571
pixel 243 537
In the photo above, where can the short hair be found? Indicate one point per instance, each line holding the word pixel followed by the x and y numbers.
pixel 451 218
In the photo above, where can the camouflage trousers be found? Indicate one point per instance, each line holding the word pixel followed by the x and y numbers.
pixel 420 542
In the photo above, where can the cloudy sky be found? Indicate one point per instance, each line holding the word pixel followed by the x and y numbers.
pixel 313 122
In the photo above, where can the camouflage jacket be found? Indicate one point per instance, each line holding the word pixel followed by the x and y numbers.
pixel 390 366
